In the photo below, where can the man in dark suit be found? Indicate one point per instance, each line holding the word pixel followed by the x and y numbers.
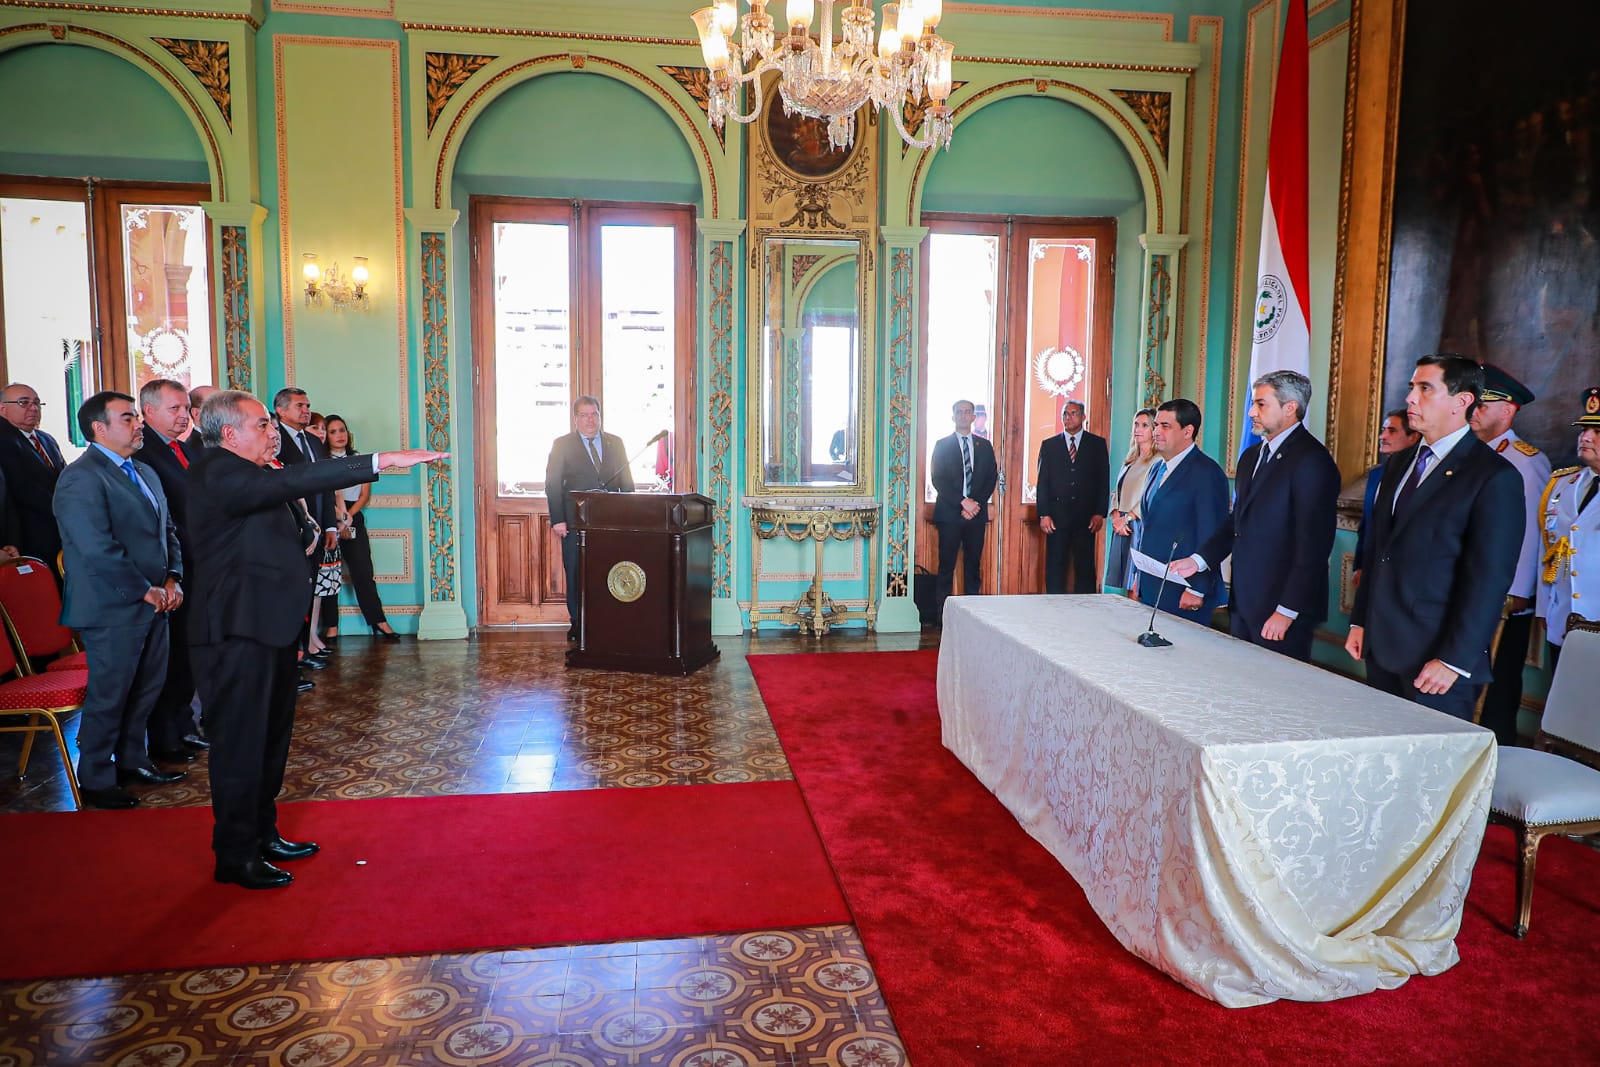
pixel 30 462
pixel 251 588
pixel 1281 531
pixel 174 736
pixel 123 567
pixel 964 475
pixel 1074 482
pixel 296 444
pixel 1442 550
pixel 1185 499
pixel 1395 435
pixel 582 459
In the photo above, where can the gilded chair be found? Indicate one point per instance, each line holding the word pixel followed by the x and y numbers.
pixel 1538 792
pixel 41 701
pixel 32 605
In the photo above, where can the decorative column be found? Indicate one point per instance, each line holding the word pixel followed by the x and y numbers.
pixel 897 612
pixel 238 289
pixel 719 260
pixel 1157 341
pixel 442 615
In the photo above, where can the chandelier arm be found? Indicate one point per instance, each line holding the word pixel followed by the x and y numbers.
pixel 899 124
pixel 755 112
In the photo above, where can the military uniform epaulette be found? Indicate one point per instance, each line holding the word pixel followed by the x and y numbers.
pixel 1524 447
pixel 1556 476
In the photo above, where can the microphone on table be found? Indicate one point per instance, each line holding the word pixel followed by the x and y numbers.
pixel 1151 639
pixel 605 486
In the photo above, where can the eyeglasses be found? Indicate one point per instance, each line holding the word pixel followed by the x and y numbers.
pixel 25 403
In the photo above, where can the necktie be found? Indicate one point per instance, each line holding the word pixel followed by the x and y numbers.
pixel 1424 457
pixel 177 450
pixel 305 447
pixel 594 451
pixel 1594 483
pixel 1261 460
pixel 966 466
pixel 127 468
pixel 38 446
pixel 1156 475
pixel 1072 450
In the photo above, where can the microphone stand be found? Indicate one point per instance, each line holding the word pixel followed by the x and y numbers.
pixel 605 486
pixel 1151 639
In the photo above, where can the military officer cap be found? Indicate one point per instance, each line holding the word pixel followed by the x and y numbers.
pixel 1591 409
pixel 1498 385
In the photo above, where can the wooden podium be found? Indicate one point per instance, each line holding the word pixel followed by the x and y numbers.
pixel 644 578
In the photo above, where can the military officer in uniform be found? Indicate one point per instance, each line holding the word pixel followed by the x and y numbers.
pixel 1570 585
pixel 1503 397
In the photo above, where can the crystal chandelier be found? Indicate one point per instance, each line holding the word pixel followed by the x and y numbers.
pixel 830 78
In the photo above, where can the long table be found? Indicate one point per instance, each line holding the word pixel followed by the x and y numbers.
pixel 1255 827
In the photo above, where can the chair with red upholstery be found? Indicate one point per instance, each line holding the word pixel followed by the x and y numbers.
pixel 32 604
pixel 42 701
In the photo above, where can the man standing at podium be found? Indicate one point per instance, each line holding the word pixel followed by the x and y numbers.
pixel 582 459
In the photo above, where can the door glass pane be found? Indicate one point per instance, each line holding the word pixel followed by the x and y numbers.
pixel 1060 339
pixel 963 298
pixel 833 382
pixel 638 341
pixel 532 350
pixel 44 270
pixel 166 294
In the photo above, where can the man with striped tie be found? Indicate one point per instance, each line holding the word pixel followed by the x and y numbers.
pixel 964 473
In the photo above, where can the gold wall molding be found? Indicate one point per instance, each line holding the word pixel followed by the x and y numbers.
pixel 1155 111
pixel 1202 304
pixel 380 11
pixel 208 62
pixel 400 610
pixel 119 9
pixel 447 72
pixel 1164 21
pixel 405 576
pixel 696 81
pixel 393 501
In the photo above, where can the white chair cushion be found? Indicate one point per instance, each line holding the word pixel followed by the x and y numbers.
pixel 1540 788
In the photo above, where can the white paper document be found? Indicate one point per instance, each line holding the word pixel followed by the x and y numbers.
pixel 1156 567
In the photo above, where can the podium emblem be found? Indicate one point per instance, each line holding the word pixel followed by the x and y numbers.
pixel 625 581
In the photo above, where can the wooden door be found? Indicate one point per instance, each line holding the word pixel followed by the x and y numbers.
pixel 1017 318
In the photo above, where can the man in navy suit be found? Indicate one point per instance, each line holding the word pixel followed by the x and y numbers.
pixel 964 476
pixel 1442 550
pixel 1185 499
pixel 123 567
pixel 30 463
pixel 584 459
pixel 1280 534
pixel 1074 483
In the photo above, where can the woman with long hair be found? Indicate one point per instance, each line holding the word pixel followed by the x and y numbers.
pixel 1125 521
pixel 357 549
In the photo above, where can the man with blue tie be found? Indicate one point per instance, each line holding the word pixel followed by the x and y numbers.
pixel 123 567
pixel 1280 534
pixel 1185 499
pixel 582 459
pixel 30 463
pixel 964 474
pixel 1442 551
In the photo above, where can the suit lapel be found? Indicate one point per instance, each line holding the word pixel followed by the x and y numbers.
pixel 1435 481
pixel 1275 460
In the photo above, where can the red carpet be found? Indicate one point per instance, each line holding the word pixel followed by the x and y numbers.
pixel 108 892
pixel 988 953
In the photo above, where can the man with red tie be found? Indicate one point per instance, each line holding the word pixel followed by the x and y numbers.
pixel 30 462
pixel 174 735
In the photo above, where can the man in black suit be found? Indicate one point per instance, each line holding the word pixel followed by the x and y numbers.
pixel 123 567
pixel 964 475
pixel 30 462
pixel 1281 531
pixel 251 588
pixel 174 736
pixel 582 459
pixel 296 444
pixel 1442 550
pixel 1074 482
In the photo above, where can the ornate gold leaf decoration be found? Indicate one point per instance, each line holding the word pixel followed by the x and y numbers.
pixel 696 81
pixel 912 114
pixel 798 267
pixel 1155 111
pixel 207 61
pixel 447 72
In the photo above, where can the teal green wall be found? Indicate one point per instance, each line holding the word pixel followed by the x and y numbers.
pixel 74 112
pixel 836 291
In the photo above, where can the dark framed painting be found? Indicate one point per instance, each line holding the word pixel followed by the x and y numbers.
pixel 800 144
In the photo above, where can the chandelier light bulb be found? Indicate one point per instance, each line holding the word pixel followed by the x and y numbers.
pixel 727 18
pixel 939 81
pixel 360 274
pixel 800 13
pixel 910 21
pixel 932 12
pixel 889 36
pixel 313 273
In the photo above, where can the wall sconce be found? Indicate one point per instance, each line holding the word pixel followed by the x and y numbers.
pixel 332 287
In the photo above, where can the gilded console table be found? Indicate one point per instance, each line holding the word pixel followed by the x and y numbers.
pixel 820 521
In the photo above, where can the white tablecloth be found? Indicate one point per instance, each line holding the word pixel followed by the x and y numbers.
pixel 1255 827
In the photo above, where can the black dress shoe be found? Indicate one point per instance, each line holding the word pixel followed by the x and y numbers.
pixel 252 874
pixel 306 685
pixel 173 755
pixel 149 776
pixel 320 654
pixel 112 799
pixel 311 664
pixel 277 850
pixel 195 743
pixel 385 635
